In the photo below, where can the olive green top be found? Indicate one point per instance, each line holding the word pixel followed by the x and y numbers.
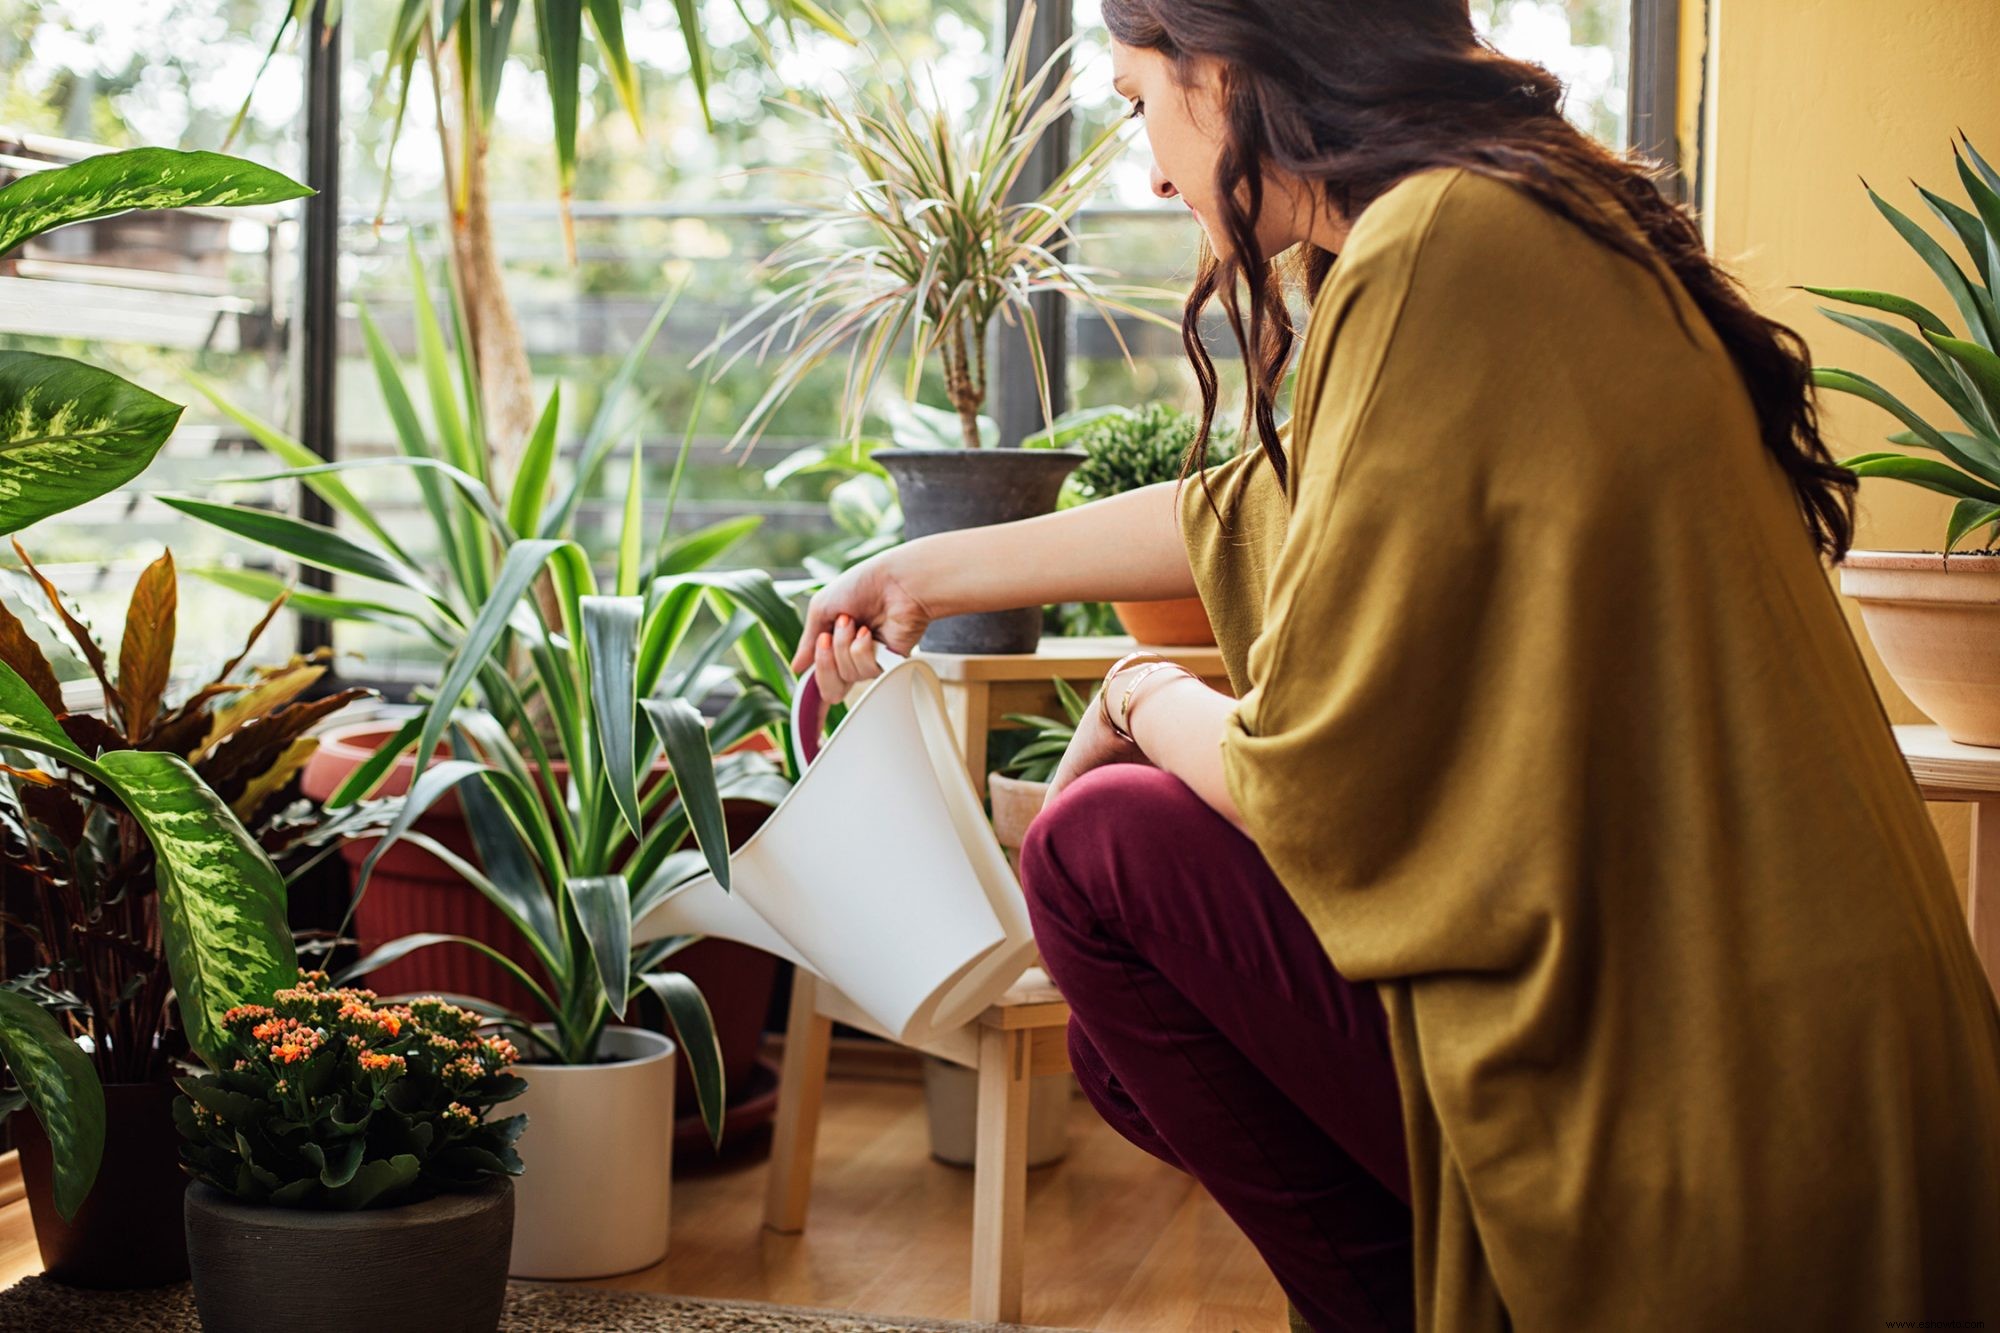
pixel 1552 725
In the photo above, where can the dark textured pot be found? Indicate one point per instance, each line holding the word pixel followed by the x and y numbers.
pixel 128 1231
pixel 434 1267
pixel 945 490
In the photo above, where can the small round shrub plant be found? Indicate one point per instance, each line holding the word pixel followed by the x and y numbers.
pixel 334 1100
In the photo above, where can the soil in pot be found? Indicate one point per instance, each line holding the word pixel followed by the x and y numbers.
pixel 439 1266
pixel 944 490
pixel 128 1231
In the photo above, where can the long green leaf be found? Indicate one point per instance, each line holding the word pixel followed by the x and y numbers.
pixel 1924 472
pixel 436 364
pixel 222 902
pixel 705 546
pixel 604 908
pixel 597 439
pixel 1968 516
pixel 1961 290
pixel 293 453
pixel 694 1027
pixel 1986 469
pixel 1982 368
pixel 70 433
pixel 402 948
pixel 262 586
pixel 310 542
pixel 559 24
pixel 681 731
pixel 454 546
pixel 531 481
pixel 607 21
pixel 477 496
pixel 62 1090
pixel 522 902
pixel 518 572
pixel 1920 357
pixel 611 644
pixel 112 183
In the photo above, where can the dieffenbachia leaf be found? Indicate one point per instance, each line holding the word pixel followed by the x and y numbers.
pixel 110 183
pixel 70 433
pixel 62 1091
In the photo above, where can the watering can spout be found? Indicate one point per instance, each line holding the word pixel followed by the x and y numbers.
pixel 879 872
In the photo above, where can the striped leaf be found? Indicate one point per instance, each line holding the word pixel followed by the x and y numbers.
pixel 694 1027
pixel 62 1090
pixel 112 183
pixel 684 735
pixel 222 902
pixel 611 641
pixel 70 433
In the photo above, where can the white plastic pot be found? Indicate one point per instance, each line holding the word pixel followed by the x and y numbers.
pixel 879 872
pixel 595 1198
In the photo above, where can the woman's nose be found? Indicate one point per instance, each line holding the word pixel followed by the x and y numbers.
pixel 1163 187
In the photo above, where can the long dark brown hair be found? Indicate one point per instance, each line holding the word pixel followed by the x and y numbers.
pixel 1356 95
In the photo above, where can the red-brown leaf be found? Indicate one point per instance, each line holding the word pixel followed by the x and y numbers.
pixel 252 748
pixel 147 654
pixel 21 652
pixel 77 629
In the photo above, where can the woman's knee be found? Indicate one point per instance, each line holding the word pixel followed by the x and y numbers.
pixel 1102 819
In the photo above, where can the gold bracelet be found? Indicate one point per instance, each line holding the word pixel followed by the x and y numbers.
pixel 1104 690
pixel 1126 700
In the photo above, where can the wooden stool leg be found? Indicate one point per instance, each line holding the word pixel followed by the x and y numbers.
pixel 1000 1176
pixel 808 1039
pixel 1982 899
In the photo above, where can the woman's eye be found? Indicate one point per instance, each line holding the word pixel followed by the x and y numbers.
pixel 1138 110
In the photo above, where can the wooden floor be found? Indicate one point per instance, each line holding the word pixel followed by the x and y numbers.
pixel 1116 1240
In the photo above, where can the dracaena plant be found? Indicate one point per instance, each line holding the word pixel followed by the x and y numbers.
pixel 556 699
pixel 138 847
pixel 70 432
pixel 928 243
pixel 1963 371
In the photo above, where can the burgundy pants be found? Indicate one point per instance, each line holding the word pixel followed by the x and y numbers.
pixel 1210 1029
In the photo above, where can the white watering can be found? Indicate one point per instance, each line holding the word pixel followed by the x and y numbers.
pixel 879 872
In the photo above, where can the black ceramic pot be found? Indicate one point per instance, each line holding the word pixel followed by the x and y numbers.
pixel 434 1267
pixel 128 1231
pixel 943 490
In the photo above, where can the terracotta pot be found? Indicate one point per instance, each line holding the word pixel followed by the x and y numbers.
pixel 1936 622
pixel 128 1231
pixel 439 1266
pixel 1178 622
pixel 596 1197
pixel 944 490
pixel 1015 805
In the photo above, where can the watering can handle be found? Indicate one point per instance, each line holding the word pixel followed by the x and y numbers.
pixel 806 705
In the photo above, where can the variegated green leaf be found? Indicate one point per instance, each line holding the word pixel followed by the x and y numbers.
pixel 111 183
pixel 70 433
pixel 222 902
pixel 687 1009
pixel 604 909
pixel 62 1091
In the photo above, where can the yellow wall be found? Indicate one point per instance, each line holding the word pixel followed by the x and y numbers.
pixel 1805 98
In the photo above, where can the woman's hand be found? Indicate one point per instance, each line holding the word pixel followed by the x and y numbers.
pixel 868 604
pixel 1093 746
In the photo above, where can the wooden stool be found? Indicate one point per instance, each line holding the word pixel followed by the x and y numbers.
pixel 1022 1037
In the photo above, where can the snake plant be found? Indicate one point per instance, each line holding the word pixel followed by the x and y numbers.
pixel 1963 371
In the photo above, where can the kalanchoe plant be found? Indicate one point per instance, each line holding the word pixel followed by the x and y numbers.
pixel 331 1099
pixel 1963 371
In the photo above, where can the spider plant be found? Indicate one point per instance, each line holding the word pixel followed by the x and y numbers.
pixel 929 241
pixel 1963 371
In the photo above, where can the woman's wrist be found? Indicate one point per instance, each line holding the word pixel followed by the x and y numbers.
pixel 1137 687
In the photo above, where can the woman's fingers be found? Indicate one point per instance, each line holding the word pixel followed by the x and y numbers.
pixel 864 654
pixel 826 671
pixel 808 649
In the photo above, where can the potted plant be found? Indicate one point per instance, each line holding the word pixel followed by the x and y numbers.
pixel 1125 450
pixel 474 512
pixel 929 240
pixel 350 1140
pixel 85 898
pixel 1935 616
pixel 572 851
pixel 1022 784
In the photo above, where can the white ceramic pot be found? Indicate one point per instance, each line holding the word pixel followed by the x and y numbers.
pixel 595 1199
pixel 951 1106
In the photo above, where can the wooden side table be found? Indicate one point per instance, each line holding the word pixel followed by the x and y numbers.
pixel 1948 771
pixel 980 689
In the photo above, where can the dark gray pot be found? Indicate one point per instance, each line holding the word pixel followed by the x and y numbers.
pixel 944 490
pixel 434 1267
